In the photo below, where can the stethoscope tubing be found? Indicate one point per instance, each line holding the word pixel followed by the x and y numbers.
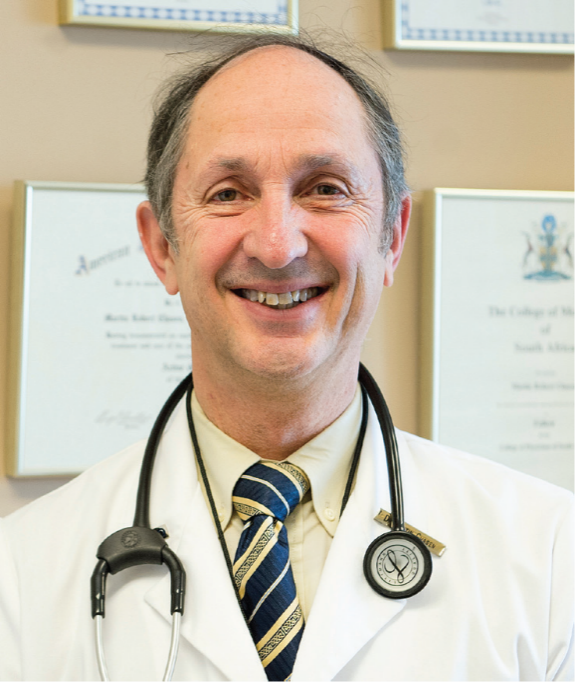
pixel 391 448
pixel 142 511
pixel 172 653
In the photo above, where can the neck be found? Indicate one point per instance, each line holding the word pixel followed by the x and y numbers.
pixel 270 416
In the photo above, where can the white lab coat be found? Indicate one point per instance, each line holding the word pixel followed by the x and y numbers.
pixel 498 606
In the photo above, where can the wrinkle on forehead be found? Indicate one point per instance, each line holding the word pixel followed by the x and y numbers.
pixel 304 162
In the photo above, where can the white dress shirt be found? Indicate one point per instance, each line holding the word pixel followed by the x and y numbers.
pixel 326 460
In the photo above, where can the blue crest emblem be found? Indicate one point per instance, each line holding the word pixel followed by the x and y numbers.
pixel 548 251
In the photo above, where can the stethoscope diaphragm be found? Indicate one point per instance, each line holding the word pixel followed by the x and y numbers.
pixel 397 565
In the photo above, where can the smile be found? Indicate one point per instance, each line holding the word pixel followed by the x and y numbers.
pixel 282 300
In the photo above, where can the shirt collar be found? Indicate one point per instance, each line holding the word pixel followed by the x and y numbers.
pixel 326 460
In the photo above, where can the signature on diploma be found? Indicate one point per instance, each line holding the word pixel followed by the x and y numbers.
pixel 126 419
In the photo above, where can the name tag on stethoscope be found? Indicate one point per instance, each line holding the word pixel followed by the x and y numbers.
pixel 434 546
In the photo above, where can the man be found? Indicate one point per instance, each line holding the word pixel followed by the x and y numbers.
pixel 278 210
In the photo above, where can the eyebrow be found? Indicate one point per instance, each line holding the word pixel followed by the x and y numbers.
pixel 312 162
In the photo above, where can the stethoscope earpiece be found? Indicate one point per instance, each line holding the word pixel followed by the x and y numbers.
pixel 397 565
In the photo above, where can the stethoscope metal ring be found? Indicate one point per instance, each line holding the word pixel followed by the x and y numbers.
pixel 397 565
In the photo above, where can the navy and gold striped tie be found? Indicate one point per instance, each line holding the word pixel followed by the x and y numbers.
pixel 263 497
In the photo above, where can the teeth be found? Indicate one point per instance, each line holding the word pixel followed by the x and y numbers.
pixel 284 300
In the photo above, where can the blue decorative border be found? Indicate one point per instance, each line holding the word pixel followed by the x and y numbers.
pixel 87 8
pixel 468 35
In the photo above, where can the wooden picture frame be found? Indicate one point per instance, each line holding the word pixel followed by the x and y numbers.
pixel 541 26
pixel 219 16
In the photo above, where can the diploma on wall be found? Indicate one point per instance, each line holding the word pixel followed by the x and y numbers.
pixel 96 344
pixel 545 26
pixel 498 324
pixel 216 16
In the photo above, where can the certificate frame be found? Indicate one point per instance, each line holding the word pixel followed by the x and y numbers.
pixel 439 322
pixel 76 388
pixel 229 16
pixel 406 28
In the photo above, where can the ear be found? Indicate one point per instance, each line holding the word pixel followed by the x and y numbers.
pixel 158 250
pixel 400 228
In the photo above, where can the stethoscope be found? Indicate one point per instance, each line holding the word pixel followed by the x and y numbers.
pixel 396 565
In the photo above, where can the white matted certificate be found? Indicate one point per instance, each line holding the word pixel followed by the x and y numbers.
pixel 480 25
pixel 221 16
pixel 96 344
pixel 498 324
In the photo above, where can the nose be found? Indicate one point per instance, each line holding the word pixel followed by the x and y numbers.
pixel 275 234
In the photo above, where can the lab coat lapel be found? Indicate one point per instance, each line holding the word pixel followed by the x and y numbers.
pixel 346 613
pixel 212 622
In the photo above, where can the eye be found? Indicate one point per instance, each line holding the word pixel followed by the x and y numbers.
pixel 327 190
pixel 227 195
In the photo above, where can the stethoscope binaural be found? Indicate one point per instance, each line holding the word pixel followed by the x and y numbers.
pixel 396 565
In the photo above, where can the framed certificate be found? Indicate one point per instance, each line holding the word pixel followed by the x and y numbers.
pixel 223 16
pixel 96 344
pixel 480 25
pixel 498 335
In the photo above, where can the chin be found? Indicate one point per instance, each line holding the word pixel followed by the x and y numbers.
pixel 278 363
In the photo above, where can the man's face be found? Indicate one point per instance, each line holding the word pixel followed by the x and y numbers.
pixel 278 190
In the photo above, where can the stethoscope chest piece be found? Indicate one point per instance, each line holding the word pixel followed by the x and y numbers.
pixel 397 565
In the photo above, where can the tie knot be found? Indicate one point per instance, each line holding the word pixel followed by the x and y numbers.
pixel 269 488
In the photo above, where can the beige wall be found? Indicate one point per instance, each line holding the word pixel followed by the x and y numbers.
pixel 75 106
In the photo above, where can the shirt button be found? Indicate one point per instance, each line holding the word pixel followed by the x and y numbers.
pixel 329 514
pixel 221 514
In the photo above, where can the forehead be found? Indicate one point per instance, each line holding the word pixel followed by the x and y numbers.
pixel 282 93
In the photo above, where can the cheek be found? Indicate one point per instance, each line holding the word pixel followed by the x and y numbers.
pixel 352 248
pixel 205 249
pixel 362 269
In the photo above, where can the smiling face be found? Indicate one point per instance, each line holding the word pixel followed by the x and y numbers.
pixel 278 211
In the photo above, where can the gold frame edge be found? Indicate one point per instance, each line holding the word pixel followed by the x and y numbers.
pixel 427 317
pixel 389 18
pixel 16 280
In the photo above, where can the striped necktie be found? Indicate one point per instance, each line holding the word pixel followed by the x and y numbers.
pixel 263 497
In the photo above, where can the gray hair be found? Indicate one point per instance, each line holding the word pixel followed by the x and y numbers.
pixel 171 121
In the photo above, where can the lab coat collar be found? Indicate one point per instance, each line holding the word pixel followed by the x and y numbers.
pixel 346 613
pixel 212 621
